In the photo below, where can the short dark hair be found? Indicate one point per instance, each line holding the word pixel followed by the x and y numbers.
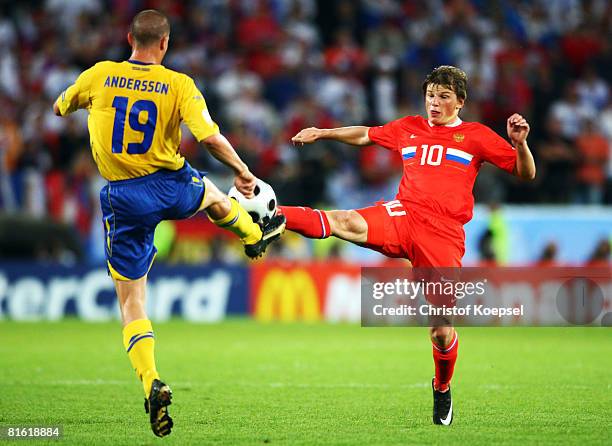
pixel 148 27
pixel 450 77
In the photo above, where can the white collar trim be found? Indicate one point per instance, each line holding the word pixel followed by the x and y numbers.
pixel 455 123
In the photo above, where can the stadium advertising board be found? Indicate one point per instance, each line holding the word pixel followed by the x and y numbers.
pixel 199 294
pixel 308 291
pixel 289 291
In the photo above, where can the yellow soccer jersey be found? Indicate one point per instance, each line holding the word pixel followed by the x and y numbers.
pixel 135 112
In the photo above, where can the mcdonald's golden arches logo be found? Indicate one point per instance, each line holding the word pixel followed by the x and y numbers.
pixel 287 295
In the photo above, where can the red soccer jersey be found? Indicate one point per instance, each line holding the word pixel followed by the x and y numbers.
pixel 441 162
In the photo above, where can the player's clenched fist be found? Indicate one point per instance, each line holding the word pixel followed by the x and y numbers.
pixel 306 136
pixel 518 129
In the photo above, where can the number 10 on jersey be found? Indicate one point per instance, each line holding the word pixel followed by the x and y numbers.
pixel 120 104
pixel 432 155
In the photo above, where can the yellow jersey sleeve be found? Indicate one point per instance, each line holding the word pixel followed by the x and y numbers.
pixel 194 112
pixel 77 95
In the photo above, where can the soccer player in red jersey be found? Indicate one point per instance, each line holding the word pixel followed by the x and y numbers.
pixel 441 156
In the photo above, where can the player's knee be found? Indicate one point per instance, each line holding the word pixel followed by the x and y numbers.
pixel 345 222
pixel 131 295
pixel 132 303
pixel 441 336
pixel 338 221
pixel 213 196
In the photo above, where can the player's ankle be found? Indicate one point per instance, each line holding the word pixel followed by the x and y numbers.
pixel 148 377
pixel 441 387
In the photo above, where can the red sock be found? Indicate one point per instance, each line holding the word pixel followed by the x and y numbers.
pixel 444 359
pixel 311 223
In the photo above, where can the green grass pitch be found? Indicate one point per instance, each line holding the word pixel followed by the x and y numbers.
pixel 242 382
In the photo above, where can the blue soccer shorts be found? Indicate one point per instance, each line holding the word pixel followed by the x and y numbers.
pixel 131 209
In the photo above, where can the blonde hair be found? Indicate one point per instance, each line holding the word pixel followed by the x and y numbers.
pixel 148 27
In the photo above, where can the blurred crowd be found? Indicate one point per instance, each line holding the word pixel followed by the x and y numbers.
pixel 271 67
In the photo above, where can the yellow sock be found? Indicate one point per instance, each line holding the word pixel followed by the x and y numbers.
pixel 240 223
pixel 140 346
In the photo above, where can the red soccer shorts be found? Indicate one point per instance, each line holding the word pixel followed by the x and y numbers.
pixel 426 239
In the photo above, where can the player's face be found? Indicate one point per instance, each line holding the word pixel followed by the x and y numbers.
pixel 442 104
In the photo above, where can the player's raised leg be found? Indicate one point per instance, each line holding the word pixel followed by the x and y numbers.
pixel 228 214
pixel 445 347
pixel 314 223
pixel 139 342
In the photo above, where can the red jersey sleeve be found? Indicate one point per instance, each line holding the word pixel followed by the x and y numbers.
pixel 496 149
pixel 386 135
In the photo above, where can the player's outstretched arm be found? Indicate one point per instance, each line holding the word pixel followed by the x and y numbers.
pixel 518 129
pixel 354 135
pixel 221 149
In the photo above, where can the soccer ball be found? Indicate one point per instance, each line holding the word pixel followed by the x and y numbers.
pixel 262 206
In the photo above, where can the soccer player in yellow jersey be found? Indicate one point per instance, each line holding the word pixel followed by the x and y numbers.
pixel 135 110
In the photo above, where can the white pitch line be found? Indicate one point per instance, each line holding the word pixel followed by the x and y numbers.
pixel 277 385
pixel 88 382
pixel 348 386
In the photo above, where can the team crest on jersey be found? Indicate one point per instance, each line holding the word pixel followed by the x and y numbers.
pixel 458 137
